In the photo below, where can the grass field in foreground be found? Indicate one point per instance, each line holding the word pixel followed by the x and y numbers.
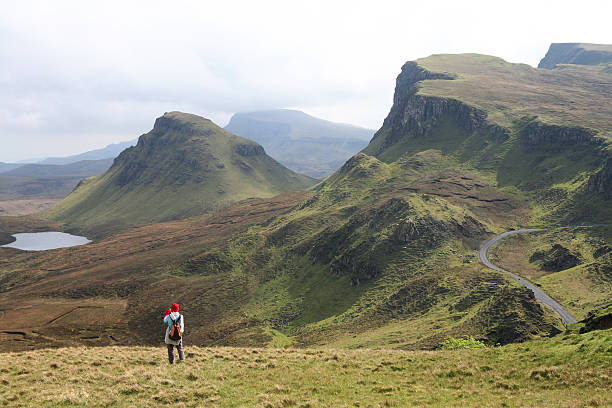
pixel 569 370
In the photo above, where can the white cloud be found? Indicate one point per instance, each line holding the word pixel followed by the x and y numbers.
pixel 77 75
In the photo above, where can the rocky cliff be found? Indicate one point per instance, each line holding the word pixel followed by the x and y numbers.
pixel 601 181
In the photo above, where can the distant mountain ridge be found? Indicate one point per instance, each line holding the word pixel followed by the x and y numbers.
pixel 53 181
pixel 83 167
pixel 8 166
pixel 185 166
pixel 576 54
pixel 303 143
pixel 110 151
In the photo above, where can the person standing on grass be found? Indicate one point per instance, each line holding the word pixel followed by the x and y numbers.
pixel 174 318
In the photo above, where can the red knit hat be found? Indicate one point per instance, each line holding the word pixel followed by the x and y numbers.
pixel 175 307
pixel 167 312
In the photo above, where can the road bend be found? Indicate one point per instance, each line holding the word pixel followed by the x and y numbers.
pixel 566 317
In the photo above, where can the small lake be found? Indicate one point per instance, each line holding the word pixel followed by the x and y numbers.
pixel 42 241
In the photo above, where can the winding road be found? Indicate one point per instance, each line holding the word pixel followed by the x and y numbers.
pixel 539 294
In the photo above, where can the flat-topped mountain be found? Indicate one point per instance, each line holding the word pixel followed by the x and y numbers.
pixel 185 166
pixel 576 54
pixel 303 143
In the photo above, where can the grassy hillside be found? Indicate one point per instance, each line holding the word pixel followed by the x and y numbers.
pixel 301 142
pixel 567 371
pixel 507 92
pixel 572 265
pixel 185 166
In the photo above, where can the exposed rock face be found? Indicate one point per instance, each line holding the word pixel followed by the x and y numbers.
pixel 167 123
pixel 416 115
pixel 247 150
pixel 601 182
pixel 575 53
pixel 556 259
pixel 536 133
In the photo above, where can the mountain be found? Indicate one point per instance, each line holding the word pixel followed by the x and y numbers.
pixel 185 166
pixel 381 254
pixel 577 54
pixel 47 181
pixel 303 143
pixel 109 152
pixel 8 166
pixel 84 168
pixel 546 134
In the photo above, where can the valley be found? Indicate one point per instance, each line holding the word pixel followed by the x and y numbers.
pixel 382 254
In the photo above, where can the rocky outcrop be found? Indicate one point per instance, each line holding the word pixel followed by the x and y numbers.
pixel 417 115
pixel 536 133
pixel 248 150
pixel 601 182
pixel 557 258
pixel 169 123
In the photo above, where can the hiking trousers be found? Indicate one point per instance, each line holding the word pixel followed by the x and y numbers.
pixel 179 348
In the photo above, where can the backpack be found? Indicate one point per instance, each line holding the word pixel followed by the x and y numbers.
pixel 175 331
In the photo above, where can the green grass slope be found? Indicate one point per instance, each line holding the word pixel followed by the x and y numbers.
pixel 185 166
pixel 573 265
pixel 569 371
pixel 303 143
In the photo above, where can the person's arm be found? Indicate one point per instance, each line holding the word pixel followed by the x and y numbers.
pixel 166 319
pixel 182 324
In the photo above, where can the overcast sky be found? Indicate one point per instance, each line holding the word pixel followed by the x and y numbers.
pixel 78 75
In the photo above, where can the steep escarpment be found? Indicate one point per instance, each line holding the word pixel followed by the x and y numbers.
pixel 488 130
pixel 577 54
pixel 601 181
pixel 185 166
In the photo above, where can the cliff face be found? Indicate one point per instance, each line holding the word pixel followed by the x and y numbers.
pixel 601 182
pixel 576 53
pixel 536 133
pixel 417 115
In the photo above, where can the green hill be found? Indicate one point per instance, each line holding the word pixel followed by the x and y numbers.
pixel 185 166
pixel 301 142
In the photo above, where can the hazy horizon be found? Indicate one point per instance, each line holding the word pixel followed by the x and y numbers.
pixel 79 76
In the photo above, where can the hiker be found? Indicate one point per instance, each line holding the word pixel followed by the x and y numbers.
pixel 174 320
